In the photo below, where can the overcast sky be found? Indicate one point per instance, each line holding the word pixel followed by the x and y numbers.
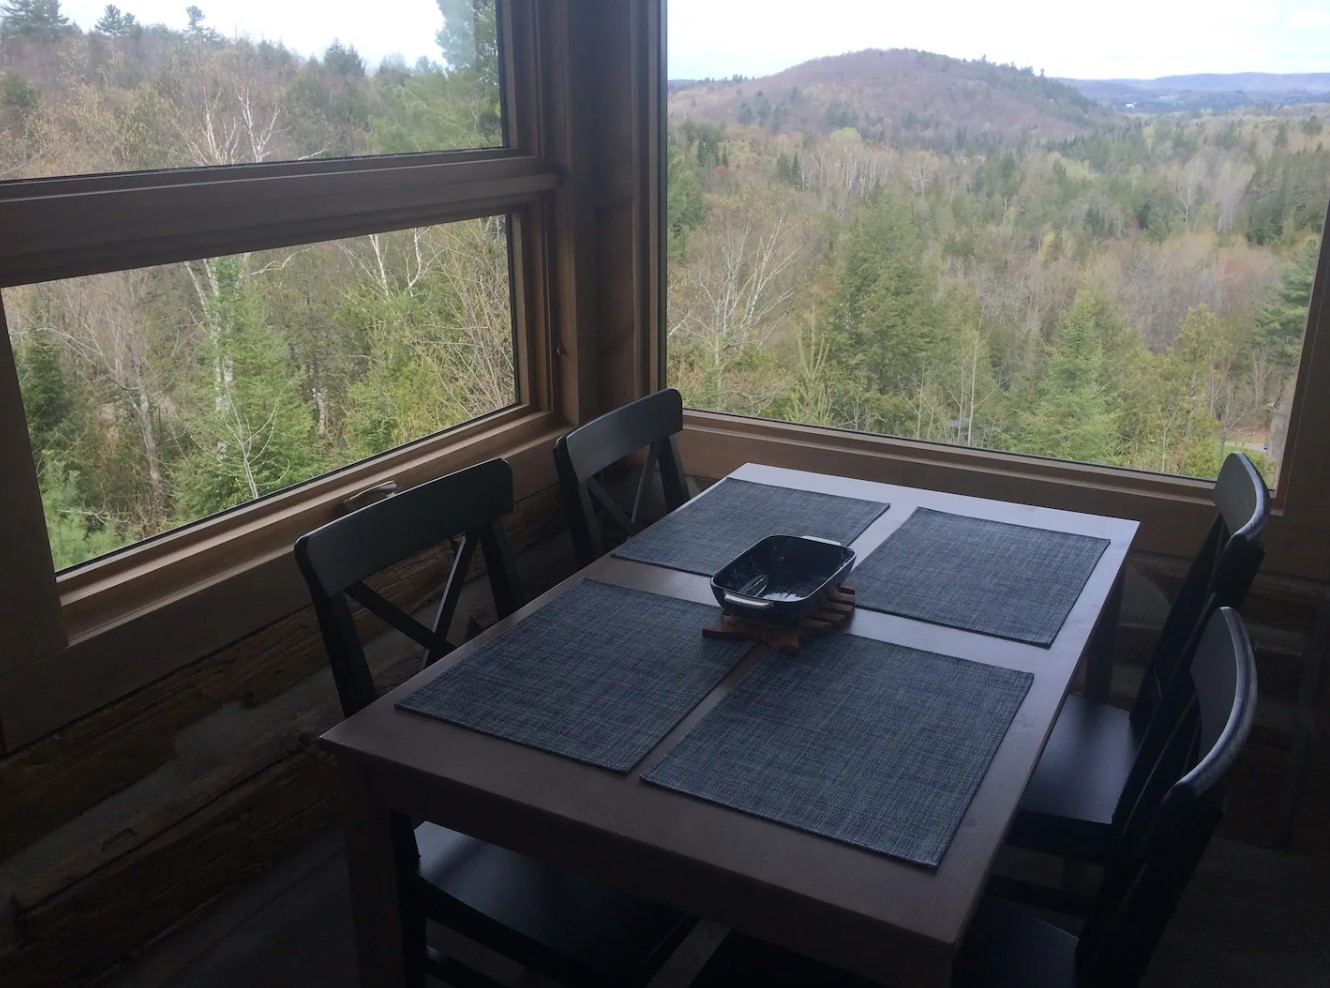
pixel 375 27
pixel 1090 40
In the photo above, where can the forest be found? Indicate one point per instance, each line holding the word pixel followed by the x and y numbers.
pixel 952 251
pixel 158 396
pixel 1134 293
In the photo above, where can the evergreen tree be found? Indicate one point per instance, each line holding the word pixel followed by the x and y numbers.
pixel 1188 435
pixel 1283 320
pixel 36 20
pixel 1073 420
pixel 885 319
pixel 48 403
pixel 74 534
pixel 469 38
pixel 114 23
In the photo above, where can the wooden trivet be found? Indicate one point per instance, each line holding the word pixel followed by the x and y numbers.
pixel 835 612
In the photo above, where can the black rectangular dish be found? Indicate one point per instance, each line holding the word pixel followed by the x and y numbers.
pixel 781 579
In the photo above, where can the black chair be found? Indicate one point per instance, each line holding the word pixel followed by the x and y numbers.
pixel 650 422
pixel 1150 865
pixel 558 924
pixel 1080 786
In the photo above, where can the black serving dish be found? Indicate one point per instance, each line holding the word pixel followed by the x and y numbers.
pixel 781 579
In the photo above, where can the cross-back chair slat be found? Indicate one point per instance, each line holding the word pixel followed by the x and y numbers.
pixel 338 558
pixel 581 455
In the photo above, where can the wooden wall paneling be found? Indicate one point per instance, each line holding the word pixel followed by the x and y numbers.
pixel 621 185
pixel 566 56
pixel 240 824
pixel 63 774
pixel 31 626
pixel 1304 476
pixel 1306 801
pixel 653 194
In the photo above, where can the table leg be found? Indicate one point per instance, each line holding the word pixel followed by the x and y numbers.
pixel 375 900
pixel 1099 651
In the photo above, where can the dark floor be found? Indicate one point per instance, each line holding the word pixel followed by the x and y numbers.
pixel 1252 917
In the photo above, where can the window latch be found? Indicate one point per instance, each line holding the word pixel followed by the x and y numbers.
pixel 370 495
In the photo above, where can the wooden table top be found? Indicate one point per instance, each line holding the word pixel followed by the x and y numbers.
pixel 869 913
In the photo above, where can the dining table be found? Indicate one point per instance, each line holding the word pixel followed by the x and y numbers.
pixel 945 597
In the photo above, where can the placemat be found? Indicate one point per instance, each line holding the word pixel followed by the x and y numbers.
pixel 709 531
pixel 599 675
pixel 869 743
pixel 999 579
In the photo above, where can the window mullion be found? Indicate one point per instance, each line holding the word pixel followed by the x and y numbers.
pixel 31 625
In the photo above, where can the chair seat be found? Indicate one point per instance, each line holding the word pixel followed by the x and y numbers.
pixel 569 927
pixel 1006 947
pixel 1068 806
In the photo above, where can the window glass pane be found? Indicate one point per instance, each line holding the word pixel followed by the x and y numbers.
pixel 88 88
pixel 956 243
pixel 159 396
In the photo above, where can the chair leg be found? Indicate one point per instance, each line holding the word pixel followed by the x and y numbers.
pixel 1099 650
pixel 414 946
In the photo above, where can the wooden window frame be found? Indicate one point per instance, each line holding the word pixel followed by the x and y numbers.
pixel 1173 510
pixel 86 636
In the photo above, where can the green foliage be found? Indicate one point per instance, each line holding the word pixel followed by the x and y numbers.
pixel 35 20
pixel 344 60
pixel 685 205
pixel 114 23
pixel 884 320
pixel 1072 419
pixel 1050 299
pixel 1283 320
pixel 469 38
pixel 253 432
pixel 75 533
pixel 47 402
pixel 17 92
pixel 841 115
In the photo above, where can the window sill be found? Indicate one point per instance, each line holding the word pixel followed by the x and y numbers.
pixel 1174 511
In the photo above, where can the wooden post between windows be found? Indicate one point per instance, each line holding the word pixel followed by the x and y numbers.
pixel 31 627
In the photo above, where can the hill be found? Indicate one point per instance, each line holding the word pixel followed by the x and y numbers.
pixel 910 98
pixel 1207 91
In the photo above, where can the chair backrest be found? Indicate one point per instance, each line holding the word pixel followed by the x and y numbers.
pixel 649 422
pixel 1176 811
pixel 1219 576
pixel 337 558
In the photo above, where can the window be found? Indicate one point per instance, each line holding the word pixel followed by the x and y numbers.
pixel 158 396
pixel 88 89
pixel 267 249
pixel 943 241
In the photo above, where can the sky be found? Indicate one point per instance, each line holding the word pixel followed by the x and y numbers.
pixel 1122 39
pixel 1131 39
pixel 376 29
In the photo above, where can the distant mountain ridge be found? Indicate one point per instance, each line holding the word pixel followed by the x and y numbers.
pixel 1212 82
pixel 1206 91
pixel 910 98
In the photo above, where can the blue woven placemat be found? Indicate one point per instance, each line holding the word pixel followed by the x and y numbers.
pixel 599 675
pixel 712 529
pixel 862 741
pixel 1009 581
